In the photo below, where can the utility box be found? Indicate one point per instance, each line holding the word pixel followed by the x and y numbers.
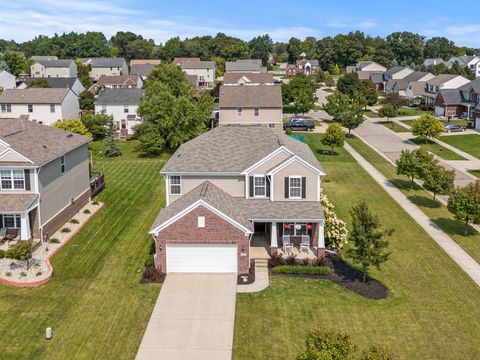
pixel 48 333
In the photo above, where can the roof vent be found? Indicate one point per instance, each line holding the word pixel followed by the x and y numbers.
pixel 69 135
pixel 44 146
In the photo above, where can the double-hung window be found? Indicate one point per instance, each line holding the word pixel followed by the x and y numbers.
pixel 30 108
pixel 12 179
pixel 295 187
pixel 62 165
pixel 6 108
pixel 239 111
pixel 11 221
pixel 256 111
pixel 52 108
pixel 259 186
pixel 175 185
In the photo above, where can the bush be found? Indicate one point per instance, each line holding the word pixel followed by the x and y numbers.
pixel 2 254
pixel 86 212
pixel 276 259
pixel 95 202
pixel 39 273
pixel 149 261
pixel 74 221
pixel 23 274
pixel 301 270
pixel 8 274
pixel 65 230
pixel 289 132
pixel 53 241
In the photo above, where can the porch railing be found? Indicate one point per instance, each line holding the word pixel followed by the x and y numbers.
pixel 97 183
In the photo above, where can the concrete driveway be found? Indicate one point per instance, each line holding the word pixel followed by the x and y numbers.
pixel 192 319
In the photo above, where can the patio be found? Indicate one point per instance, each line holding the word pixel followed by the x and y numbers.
pixel 260 248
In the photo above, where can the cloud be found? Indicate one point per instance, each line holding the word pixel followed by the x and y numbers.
pixel 463 30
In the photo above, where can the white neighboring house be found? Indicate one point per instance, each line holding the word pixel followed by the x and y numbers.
pixel 105 67
pixel 63 82
pixel 122 105
pixel 204 70
pixel 53 68
pixel 472 62
pixel 44 106
pixel 7 80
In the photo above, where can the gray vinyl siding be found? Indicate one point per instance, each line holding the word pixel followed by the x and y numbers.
pixel 56 189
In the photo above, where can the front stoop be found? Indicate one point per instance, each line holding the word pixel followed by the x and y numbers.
pixel 261 278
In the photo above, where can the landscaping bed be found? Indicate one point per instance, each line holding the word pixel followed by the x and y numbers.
pixel 250 278
pixel 152 276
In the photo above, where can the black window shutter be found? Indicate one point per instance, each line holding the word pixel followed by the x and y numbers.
pixel 251 186
pixel 287 184
pixel 304 187
pixel 27 179
pixel 1 220
pixel 267 186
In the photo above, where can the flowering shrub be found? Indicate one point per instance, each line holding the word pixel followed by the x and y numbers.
pixel 335 230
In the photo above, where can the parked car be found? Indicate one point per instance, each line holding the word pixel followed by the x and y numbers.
pixel 299 124
pixel 277 81
pixel 454 128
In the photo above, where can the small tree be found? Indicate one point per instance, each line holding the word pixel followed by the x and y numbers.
pixel 329 81
pixel 352 116
pixel 86 100
pixel 39 83
pixel 368 90
pixel 326 344
pixel 427 127
pixel 348 84
pixel 21 251
pixel 387 111
pixel 73 125
pixel 369 247
pixel 414 163
pixel 111 148
pixel 395 100
pixel 464 204
pixel 333 137
pixel 96 124
pixel 377 352
pixel 336 232
pixel 438 180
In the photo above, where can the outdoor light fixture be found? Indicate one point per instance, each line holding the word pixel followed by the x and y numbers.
pixel 243 248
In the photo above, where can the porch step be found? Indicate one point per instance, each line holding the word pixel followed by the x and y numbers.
pixel 261 263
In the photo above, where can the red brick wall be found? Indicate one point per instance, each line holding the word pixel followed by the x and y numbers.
pixel 216 231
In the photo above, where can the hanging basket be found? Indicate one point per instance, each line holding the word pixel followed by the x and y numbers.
pixel 298 227
pixel 309 227
pixel 287 226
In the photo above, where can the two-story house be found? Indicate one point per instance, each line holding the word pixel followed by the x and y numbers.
pixel 242 66
pixel 441 82
pixel 307 67
pixel 117 82
pixel 105 67
pixel 122 105
pixel 247 105
pixel 180 60
pixel 203 70
pixel 53 68
pixel 235 190
pixel 72 83
pixel 247 78
pixel 143 68
pixel 400 85
pixel 368 66
pixel 44 177
pixel 7 80
pixel 471 61
pixel 458 103
pixel 42 105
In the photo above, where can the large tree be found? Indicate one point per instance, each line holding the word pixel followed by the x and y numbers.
pixel 260 48
pixel 300 91
pixel 414 163
pixel 294 49
pixel 348 84
pixel 121 40
pixel 407 47
pixel 367 89
pixel 16 62
pixel 86 100
pixel 464 204
pixel 96 125
pixel 440 47
pixel 344 110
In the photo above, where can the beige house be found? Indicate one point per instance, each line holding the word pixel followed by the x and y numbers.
pixel 367 66
pixel 203 70
pixel 45 178
pixel 105 67
pixel 248 105
pixel 238 193
pixel 53 68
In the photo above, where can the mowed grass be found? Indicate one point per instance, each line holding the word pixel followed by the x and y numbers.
pixel 94 303
pixel 475 173
pixel 437 149
pixel 432 312
pixel 394 126
pixel 432 208
pixel 469 143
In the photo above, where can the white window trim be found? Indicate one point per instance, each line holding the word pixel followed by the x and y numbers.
pixel 63 164
pixel 170 185
pixel 12 181
pixel 294 223
pixel 201 222
pixel 17 224
pixel 264 186
pixel 290 187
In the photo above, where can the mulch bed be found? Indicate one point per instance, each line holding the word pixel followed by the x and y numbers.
pixel 152 276
pixel 251 275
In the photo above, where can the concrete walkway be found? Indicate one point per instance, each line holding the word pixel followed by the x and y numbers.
pixel 465 261
pixel 193 319
pixel 261 278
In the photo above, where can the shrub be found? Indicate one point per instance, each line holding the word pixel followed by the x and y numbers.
pixel 2 254
pixel 21 251
pixel 151 273
pixel 301 270
pixel 53 241
pixel 289 131
pixel 149 261
pixel 65 230
pixel 8 274
pixel 74 221
pixel 39 273
pixel 276 259
pixel 86 212
pixel 290 260
pixel 336 233
pixel 95 202
pixel 23 274
pixel 327 344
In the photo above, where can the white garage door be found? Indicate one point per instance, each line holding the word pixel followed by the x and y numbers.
pixel 439 111
pixel 202 258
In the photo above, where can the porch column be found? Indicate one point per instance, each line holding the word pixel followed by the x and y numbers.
pixel 24 227
pixel 321 241
pixel 273 235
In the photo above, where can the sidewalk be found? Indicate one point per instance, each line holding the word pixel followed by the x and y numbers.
pixel 465 261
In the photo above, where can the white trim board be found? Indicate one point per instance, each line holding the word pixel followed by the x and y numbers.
pixel 291 160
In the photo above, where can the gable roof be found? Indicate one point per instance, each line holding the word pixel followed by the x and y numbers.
pixel 313 62
pixel 181 60
pixel 198 65
pixel 55 63
pixel 253 78
pixel 244 65
pixel 441 78
pixel 402 84
pixel 56 82
pixel 128 96
pixel 103 62
pixel 34 96
pixel 233 149
pixel 433 61
pixel 141 69
pixel 38 143
pixel 454 97
pixel 472 85
pixel 43 57
pixel 269 96
pixel 394 70
pixel 116 80
pixel 145 62
pixel 462 60
pixel 418 88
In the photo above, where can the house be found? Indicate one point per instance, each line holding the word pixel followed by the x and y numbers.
pixel 53 68
pixel 117 82
pixel 307 67
pixel 247 105
pixel 204 70
pixel 45 106
pixel 105 67
pixel 247 78
pixel 7 80
pixel 397 72
pixel 476 116
pixel 441 82
pixel 180 60
pixel 143 68
pixel 243 66
pixel 416 92
pixel 122 105
pixel 458 103
pixel 43 57
pixel 72 83
pixel 235 192
pixel 432 62
pixel 45 177
pixel 400 85
pixel 369 66
pixel 472 62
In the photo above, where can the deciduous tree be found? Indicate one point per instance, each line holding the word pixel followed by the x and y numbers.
pixel 86 100
pixel 464 204
pixel 387 111
pixel 96 125
pixel 334 136
pixel 72 125
pixel 39 83
pixel 438 180
pixel 427 127
pixel 414 164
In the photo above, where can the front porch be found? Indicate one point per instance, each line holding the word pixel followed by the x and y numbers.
pixel 18 226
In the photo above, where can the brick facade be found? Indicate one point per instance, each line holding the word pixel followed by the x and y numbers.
pixel 62 218
pixel 216 231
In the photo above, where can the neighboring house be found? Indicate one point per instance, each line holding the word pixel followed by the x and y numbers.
pixel 143 68
pixel 117 82
pixel 243 66
pixel 472 62
pixel 72 83
pixel 122 105
pixel 248 105
pixel 458 103
pixel 180 60
pixel 7 80
pixel 416 92
pixel 432 62
pixel 440 82
pixel 193 79
pixel 247 78
pixel 105 67
pixel 53 68
pixel 43 57
pixel 45 106
pixel 369 66
pixel 235 192
pixel 304 66
pixel 400 85
pixel 476 116
pixel 397 72
pixel 204 70
pixel 45 177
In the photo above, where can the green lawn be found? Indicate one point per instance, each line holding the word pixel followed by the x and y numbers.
pixel 94 303
pixel 459 122
pixel 371 114
pixel 394 126
pixel 469 143
pixel 407 111
pixel 475 173
pixel 437 149
pixel 432 312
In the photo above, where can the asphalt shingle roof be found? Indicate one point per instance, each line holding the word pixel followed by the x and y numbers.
pixel 441 78
pixel 55 63
pixel 55 82
pixel 267 96
pixel 141 69
pixel 198 65
pixel 454 97
pixel 16 202
pixel 104 62
pixel 244 65
pixel 34 96
pixel 129 96
pixel 254 78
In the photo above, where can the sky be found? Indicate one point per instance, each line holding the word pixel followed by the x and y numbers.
pixel 160 20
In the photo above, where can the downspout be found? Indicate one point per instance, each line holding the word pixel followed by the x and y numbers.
pixel 37 188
